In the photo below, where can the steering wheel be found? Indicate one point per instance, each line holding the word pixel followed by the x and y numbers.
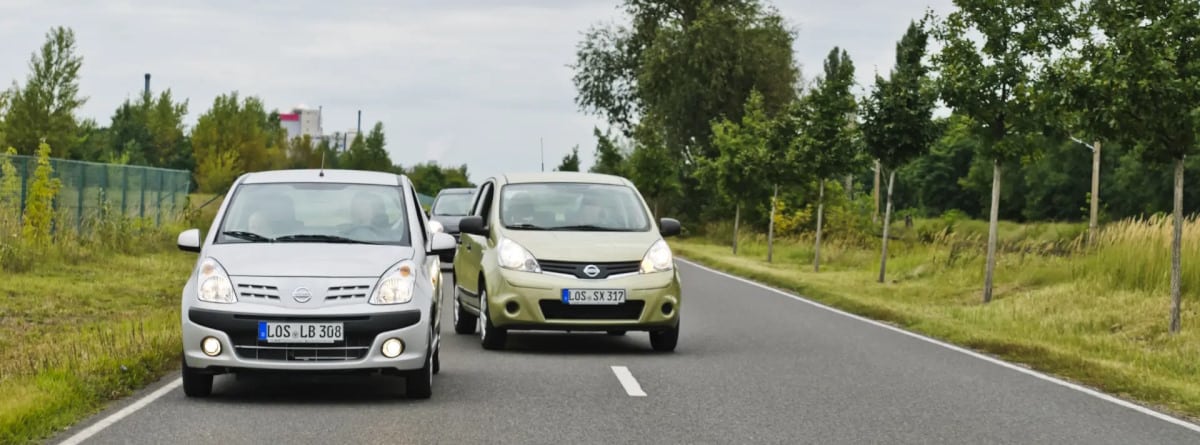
pixel 375 232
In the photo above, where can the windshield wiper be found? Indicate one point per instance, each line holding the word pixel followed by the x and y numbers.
pixel 525 226
pixel 248 236
pixel 587 228
pixel 321 238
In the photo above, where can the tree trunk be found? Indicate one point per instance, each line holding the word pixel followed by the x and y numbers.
pixel 993 233
pixel 1095 204
pixel 737 214
pixel 820 220
pixel 1176 248
pixel 875 193
pixel 771 225
pixel 887 220
pixel 849 187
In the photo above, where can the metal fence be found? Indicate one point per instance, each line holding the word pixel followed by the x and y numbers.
pixel 90 189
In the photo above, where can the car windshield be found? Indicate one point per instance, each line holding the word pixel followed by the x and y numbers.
pixel 321 213
pixel 453 204
pixel 572 206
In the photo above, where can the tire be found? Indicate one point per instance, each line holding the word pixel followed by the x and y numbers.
pixel 464 323
pixel 418 384
pixel 437 360
pixel 492 337
pixel 665 340
pixel 195 383
pixel 616 333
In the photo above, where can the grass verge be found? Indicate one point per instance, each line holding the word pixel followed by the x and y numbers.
pixel 1050 311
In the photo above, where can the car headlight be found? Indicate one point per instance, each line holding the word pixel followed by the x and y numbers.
pixel 214 286
pixel 512 256
pixel 658 258
pixel 396 286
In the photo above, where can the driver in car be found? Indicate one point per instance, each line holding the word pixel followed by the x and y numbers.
pixel 366 210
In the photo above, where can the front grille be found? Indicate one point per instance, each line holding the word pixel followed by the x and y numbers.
pixel 575 268
pixel 556 310
pixel 258 291
pixel 358 335
pixel 346 292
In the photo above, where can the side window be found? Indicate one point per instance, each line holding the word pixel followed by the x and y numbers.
pixel 421 226
pixel 486 202
pixel 482 201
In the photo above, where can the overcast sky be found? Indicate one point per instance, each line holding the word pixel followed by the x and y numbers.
pixel 475 81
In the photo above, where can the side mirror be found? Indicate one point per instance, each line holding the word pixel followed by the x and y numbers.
pixel 189 240
pixel 442 243
pixel 669 227
pixel 472 225
pixel 436 227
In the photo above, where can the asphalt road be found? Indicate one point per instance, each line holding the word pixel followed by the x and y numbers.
pixel 752 366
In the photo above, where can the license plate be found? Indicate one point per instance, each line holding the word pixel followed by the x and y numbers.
pixel 288 332
pixel 593 296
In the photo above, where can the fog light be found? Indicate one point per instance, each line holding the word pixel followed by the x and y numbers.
pixel 211 346
pixel 392 347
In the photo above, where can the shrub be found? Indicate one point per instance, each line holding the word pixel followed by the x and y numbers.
pixel 39 210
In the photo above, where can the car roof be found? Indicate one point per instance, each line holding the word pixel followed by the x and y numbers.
pixel 328 175
pixel 590 178
pixel 456 190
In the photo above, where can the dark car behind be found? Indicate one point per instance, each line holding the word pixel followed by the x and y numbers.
pixel 448 208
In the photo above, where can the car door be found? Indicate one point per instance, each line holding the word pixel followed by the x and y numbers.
pixel 430 265
pixel 470 249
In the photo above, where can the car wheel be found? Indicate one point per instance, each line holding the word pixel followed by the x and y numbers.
pixel 196 383
pixel 418 384
pixel 464 323
pixel 437 360
pixel 616 333
pixel 491 336
pixel 665 340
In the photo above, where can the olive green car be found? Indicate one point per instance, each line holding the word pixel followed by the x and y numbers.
pixel 565 251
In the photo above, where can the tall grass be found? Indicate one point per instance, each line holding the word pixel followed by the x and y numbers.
pixel 1135 254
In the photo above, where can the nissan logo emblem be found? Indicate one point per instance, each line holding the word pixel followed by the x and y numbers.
pixel 301 295
pixel 591 270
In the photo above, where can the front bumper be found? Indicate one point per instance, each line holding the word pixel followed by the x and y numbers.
pixel 522 300
pixel 360 349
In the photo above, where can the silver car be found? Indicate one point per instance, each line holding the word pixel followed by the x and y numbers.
pixel 315 271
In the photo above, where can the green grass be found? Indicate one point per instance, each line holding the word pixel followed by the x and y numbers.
pixel 74 336
pixel 1096 316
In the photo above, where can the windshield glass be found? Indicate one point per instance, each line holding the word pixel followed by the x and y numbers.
pixel 453 204
pixel 308 212
pixel 572 206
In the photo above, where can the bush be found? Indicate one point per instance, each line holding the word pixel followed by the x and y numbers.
pixel 39 209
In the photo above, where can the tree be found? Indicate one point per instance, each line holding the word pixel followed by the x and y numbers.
pixel 302 153
pixel 898 117
pixel 830 145
pixel 737 171
pixel 652 167
pixel 369 153
pixel 1148 66
pixel 150 132
pixel 430 178
pixel 994 80
pixel 233 137
pixel 44 109
pixel 39 208
pixel 570 162
pixel 609 157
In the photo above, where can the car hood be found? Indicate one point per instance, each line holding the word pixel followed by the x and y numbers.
pixel 585 246
pixel 307 259
pixel 449 222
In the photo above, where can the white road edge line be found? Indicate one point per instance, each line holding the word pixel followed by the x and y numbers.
pixel 993 360
pixel 628 382
pixel 123 413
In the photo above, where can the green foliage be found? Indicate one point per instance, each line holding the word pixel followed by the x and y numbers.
pixel 742 159
pixel 610 159
pixel 39 209
pixel 368 154
pixel 10 188
pixel 653 168
pixel 234 137
pixel 898 115
pixel 150 131
pixel 830 145
pixel 686 63
pixel 430 178
pixel 44 108
pixel 570 162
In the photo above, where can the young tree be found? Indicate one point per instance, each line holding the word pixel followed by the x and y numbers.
pixel 44 109
pixel 992 53
pixel 737 171
pixel 898 116
pixel 1147 61
pixel 609 159
pixel 829 143
pixel 370 153
pixel 234 137
pixel 150 132
pixel 570 162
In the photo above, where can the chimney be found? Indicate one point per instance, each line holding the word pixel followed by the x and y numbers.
pixel 147 88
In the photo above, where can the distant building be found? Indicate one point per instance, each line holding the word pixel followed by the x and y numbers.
pixel 302 121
